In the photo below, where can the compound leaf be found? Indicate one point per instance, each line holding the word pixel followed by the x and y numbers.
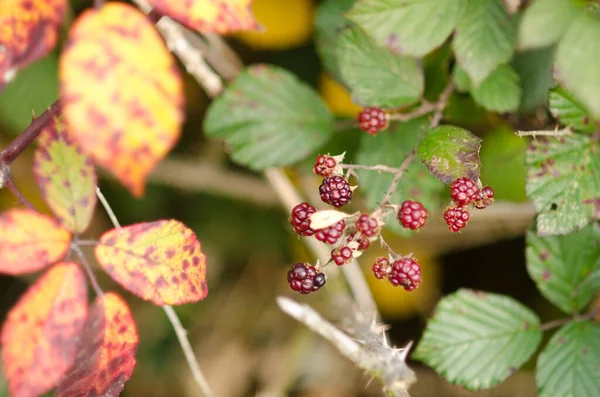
pixel 158 261
pixel 30 241
pixel 105 352
pixel 66 176
pixel 563 180
pixel 123 95
pixel 477 339
pixel 269 118
pixel 40 332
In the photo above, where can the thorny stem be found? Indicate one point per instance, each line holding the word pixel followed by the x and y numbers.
pixel 13 188
pixel 557 323
pixel 426 107
pixel 88 269
pixel 556 133
pixel 387 247
pixel 379 167
pixel 180 332
pixel 397 176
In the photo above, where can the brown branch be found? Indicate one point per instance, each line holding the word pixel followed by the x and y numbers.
pixel 397 176
pixel 13 188
pixel 18 145
pixel 556 133
pixel 379 167
pixel 88 269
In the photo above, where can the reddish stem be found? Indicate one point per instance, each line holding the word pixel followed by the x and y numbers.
pixel 22 199
pixel 18 145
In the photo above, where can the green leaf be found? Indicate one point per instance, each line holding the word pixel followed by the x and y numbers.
pixel 269 118
pixel 500 91
pixel 570 111
pixel 329 20
pixel 563 180
pixel 577 60
pixel 477 339
pixel 462 81
pixel 391 148
pixel 66 177
pixel 377 77
pixel 535 72
pixel 544 22
pixel 451 152
pixel 566 268
pixel 570 364
pixel 485 38
pixel 410 27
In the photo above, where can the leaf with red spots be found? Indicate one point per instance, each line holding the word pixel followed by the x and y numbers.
pixel 66 177
pixel 105 352
pixel 30 241
pixel 566 268
pixel 220 16
pixel 123 95
pixel 159 261
pixel 29 31
pixel 40 333
pixel 563 180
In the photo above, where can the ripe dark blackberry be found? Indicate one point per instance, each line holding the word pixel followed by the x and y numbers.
pixel 464 191
pixel 380 268
pixel 372 120
pixel 367 225
pixel 341 255
pixel 363 241
pixel 486 197
pixel 412 215
pixel 305 278
pixel 324 165
pixel 405 272
pixel 300 219
pixel 331 234
pixel 335 190
pixel 456 218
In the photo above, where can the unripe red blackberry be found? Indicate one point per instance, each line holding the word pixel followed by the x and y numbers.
pixel 305 278
pixel 335 190
pixel 324 165
pixel 367 225
pixel 331 234
pixel 456 218
pixel 372 120
pixel 405 272
pixel 300 219
pixel 341 255
pixel 363 241
pixel 380 268
pixel 412 215
pixel 486 197
pixel 464 191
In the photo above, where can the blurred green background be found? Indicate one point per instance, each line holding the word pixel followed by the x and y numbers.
pixel 245 345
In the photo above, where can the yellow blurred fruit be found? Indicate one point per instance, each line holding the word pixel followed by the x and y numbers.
pixel 337 98
pixel 395 302
pixel 286 24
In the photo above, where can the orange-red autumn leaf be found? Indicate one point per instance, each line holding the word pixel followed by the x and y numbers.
pixel 29 31
pixel 40 333
pixel 30 241
pixel 66 176
pixel 159 261
pixel 221 16
pixel 105 352
pixel 122 92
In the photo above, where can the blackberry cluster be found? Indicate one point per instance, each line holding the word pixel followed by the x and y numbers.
pixel 380 268
pixel 465 191
pixel 300 219
pixel 372 120
pixel 324 165
pixel 331 234
pixel 335 191
pixel 305 278
pixel 412 215
pixel 362 240
pixel 456 218
pixel 341 255
pixel 367 225
pixel 404 272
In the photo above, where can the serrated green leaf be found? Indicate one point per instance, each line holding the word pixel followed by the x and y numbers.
pixel 329 20
pixel 566 268
pixel 577 57
pixel 375 76
pixel 451 152
pixel 485 38
pixel 544 22
pixel 269 118
pixel 569 111
pixel 570 364
pixel 500 91
pixel 477 339
pixel 563 180
pixel 391 148
pixel 410 27
pixel 66 177
pixel 535 72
